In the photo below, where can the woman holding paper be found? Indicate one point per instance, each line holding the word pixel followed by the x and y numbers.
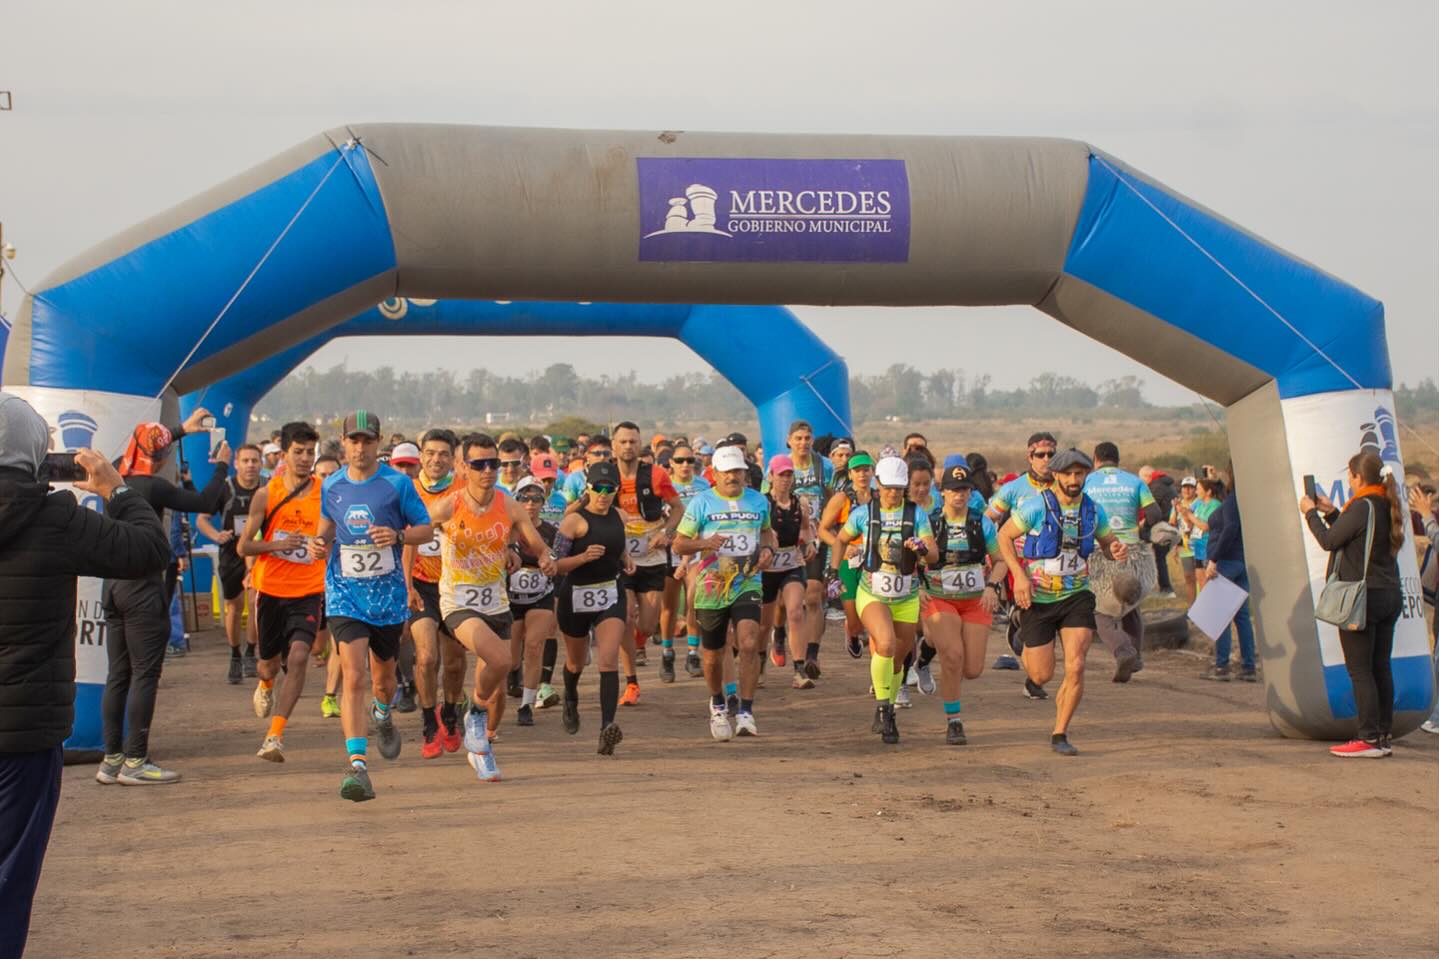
pixel 1224 556
pixel 1362 540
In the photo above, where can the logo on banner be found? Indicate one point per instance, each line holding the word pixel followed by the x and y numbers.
pixel 1378 437
pixel 358 519
pixel 737 210
pixel 77 430
pixel 396 307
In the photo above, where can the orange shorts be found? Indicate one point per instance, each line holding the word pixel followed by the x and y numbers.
pixel 968 610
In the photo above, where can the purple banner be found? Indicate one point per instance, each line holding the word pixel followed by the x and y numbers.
pixel 752 210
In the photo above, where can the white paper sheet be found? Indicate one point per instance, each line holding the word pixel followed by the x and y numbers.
pixel 1216 605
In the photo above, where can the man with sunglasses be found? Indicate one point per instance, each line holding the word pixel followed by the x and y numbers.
pixel 1008 498
pixel 646 498
pixel 476 524
pixel 689 484
pixel 369 513
pixel 598 450
pixel 513 457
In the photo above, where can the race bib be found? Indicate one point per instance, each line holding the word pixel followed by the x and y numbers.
pixel 299 553
pixel 486 598
pixel 1067 563
pixel 811 507
pixel 595 597
pixel 240 526
pixel 889 585
pixel 785 559
pixel 855 561
pixel 366 562
pixel 738 545
pixel 962 579
pixel 432 548
pixel 635 549
pixel 528 584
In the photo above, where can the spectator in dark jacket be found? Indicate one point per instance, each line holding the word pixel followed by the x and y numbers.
pixel 1162 488
pixel 1224 554
pixel 47 540
pixel 1344 534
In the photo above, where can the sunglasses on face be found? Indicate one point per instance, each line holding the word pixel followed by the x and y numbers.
pixel 1041 454
pixel 510 464
pixel 488 463
pixel 530 499
pixel 600 454
pixel 682 460
pixel 602 489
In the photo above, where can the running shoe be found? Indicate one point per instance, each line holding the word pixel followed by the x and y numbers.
pixel 109 772
pixel 889 729
pixel 1060 744
pixel 720 728
pixel 330 706
pixel 264 700
pixel 911 678
pixel 1126 666
pixel 546 697
pixel 355 785
pixel 1005 661
pixel 902 699
pixel 631 696
pixel 744 725
pixel 173 651
pixel 1250 675
pixel 667 666
pixel 389 735
pixel 926 678
pixel 484 765
pixel 449 733
pixel 777 653
pixel 513 689
pixel 811 668
pixel 272 749
pixel 477 723
pixel 145 774
pixel 801 681
pixel 405 698
pixel 610 737
pixel 1354 749
pixel 834 615
pixel 954 735
pixel 731 705
pixel 236 672
pixel 252 670
pixel 570 718
pixel 693 666
pixel 1219 674
pixel 525 716
pixel 1386 744
pixel 1033 690
pixel 431 748
pixel 854 646
pixel 641 657
pixel 1430 726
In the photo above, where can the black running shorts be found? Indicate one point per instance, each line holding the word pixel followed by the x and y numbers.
pixel 774 583
pixel 280 621
pixel 499 625
pixel 384 640
pixel 1040 624
pixel 648 579
pixel 714 623
pixel 232 576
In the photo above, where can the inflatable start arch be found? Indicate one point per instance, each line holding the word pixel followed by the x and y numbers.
pixel 345 220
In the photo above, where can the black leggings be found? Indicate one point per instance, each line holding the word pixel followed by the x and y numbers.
pixel 137 626
pixel 1366 657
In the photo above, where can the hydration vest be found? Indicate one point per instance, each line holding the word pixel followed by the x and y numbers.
pixel 907 560
pixel 651 505
pixel 974 552
pixel 1046 542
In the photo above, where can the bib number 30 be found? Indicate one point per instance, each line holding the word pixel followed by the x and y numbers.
pixel 889 585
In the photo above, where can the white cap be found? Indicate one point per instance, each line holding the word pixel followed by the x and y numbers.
pixel 405 451
pixel 892 471
pixel 272 448
pixel 728 458
pixel 526 482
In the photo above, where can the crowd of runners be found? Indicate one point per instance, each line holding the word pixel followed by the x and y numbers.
pixel 453 575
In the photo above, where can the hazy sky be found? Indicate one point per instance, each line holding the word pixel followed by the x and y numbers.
pixel 1315 125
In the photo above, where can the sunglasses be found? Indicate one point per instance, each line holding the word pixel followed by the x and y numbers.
pixel 488 463
pixel 510 464
pixel 682 460
pixel 530 499
pixel 599 454
pixel 1041 454
pixel 602 489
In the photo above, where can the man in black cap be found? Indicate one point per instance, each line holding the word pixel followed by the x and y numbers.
pixel 47 540
pixel 1059 528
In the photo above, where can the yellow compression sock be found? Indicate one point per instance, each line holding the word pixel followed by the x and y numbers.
pixel 881 673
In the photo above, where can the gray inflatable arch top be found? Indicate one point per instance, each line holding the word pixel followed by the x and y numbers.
pixel 374 211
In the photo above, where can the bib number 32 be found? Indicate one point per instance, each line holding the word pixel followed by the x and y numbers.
pixel 366 562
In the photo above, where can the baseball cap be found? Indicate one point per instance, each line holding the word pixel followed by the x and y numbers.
pixel 956 476
pixel 729 458
pixel 362 422
pixel 524 484
pixel 542 465
pixel 891 471
pixel 271 448
pixel 841 444
pixel 781 464
pixel 705 450
pixel 405 453
pixel 736 438
pixel 605 471
pixel 1068 459
pixel 1189 481
pixel 861 459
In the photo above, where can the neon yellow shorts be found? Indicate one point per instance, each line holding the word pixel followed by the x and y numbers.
pixel 900 610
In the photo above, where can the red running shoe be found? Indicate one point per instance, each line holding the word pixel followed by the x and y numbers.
pixel 631 696
pixel 431 748
pixel 777 653
pixel 449 735
pixel 1357 749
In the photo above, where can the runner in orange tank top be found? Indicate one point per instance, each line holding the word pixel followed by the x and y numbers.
pixel 289 580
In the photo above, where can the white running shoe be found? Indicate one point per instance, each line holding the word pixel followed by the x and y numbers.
pixel 926 679
pixel 272 749
pixel 744 725
pixel 1429 726
pixel 719 725
pixel 264 700
pixel 912 679
pixel 901 701
pixel 146 774
pixel 485 767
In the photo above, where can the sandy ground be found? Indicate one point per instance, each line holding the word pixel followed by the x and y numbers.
pixel 1186 828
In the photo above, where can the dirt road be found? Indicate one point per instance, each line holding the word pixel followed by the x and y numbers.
pixel 1186 828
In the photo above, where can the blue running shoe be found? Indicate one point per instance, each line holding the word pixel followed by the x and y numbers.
pixel 477 737
pixel 484 765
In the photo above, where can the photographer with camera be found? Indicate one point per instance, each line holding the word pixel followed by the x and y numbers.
pixel 47 540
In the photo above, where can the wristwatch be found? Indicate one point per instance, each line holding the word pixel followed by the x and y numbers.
pixel 122 488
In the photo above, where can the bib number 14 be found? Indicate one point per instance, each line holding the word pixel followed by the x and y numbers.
pixel 1067 563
